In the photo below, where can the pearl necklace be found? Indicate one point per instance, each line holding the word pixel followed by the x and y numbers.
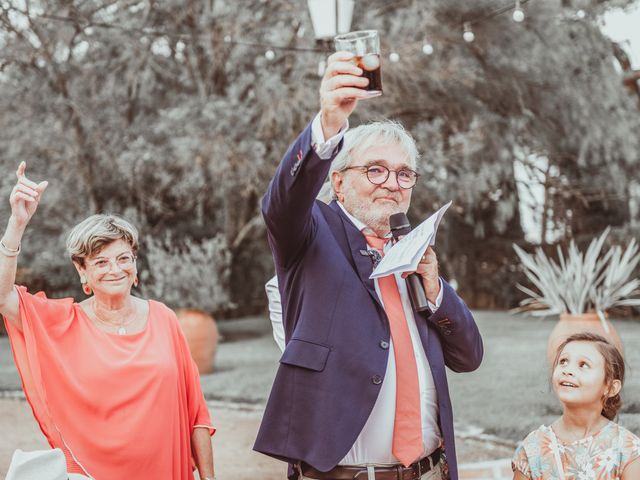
pixel 119 327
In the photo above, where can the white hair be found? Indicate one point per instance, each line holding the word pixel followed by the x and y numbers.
pixel 96 232
pixel 357 140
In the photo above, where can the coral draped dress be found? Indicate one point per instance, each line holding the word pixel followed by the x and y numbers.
pixel 118 406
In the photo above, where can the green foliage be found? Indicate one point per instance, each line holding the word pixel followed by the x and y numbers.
pixel 196 275
pixel 158 118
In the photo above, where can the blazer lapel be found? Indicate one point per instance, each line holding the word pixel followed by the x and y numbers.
pixel 357 247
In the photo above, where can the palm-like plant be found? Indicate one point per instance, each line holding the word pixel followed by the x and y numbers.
pixel 580 283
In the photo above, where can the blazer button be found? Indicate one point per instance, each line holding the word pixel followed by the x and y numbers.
pixel 446 331
pixel 376 379
pixel 384 345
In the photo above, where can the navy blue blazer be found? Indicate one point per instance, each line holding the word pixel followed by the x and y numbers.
pixel 336 330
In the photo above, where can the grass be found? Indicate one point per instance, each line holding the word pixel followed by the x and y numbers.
pixel 510 394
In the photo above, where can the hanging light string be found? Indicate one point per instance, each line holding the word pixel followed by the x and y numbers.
pixel 518 16
pixel 163 33
pixel 498 11
pixel 427 47
pixel 230 41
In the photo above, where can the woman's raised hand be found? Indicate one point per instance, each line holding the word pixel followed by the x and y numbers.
pixel 25 197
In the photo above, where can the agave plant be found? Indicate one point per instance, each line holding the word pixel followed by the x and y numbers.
pixel 615 288
pixel 579 283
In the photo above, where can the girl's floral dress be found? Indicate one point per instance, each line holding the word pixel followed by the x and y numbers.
pixel 601 456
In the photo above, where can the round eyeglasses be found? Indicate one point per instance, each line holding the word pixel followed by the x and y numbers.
pixel 378 174
pixel 123 262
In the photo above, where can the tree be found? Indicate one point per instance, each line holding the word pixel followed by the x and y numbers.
pixel 143 108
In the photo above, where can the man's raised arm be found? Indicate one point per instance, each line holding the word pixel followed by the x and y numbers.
pixel 288 202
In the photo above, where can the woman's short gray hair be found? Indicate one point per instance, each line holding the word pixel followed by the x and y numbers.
pixel 96 232
pixel 387 132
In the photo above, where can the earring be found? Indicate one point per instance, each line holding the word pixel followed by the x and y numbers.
pixel 135 281
pixel 85 287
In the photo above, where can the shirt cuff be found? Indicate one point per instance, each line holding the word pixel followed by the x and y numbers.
pixel 324 148
pixel 438 299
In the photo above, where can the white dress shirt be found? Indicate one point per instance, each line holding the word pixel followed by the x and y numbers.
pixel 275 311
pixel 374 443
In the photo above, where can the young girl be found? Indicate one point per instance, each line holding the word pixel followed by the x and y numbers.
pixel 584 443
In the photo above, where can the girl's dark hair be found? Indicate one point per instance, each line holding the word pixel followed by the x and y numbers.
pixel 613 367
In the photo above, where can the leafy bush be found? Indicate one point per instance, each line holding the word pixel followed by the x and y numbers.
pixel 187 274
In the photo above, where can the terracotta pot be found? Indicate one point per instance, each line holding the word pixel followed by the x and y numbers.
pixel 585 322
pixel 202 335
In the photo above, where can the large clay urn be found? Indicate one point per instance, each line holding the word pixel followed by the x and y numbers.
pixel 584 322
pixel 202 335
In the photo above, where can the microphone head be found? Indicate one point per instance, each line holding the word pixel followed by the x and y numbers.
pixel 399 224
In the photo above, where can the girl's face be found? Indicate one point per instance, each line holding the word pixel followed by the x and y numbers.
pixel 579 377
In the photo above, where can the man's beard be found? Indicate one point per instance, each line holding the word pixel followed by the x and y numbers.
pixel 373 215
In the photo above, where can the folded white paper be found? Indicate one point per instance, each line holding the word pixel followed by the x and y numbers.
pixel 405 255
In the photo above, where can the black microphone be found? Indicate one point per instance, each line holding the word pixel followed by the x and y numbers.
pixel 400 226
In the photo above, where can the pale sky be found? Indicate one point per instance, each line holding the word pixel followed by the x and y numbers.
pixel 623 26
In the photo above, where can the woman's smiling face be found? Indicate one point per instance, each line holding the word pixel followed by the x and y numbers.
pixel 112 271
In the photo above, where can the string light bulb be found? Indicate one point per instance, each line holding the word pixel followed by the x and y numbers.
pixel 427 48
pixel 270 55
pixel 394 57
pixel 468 35
pixel 518 13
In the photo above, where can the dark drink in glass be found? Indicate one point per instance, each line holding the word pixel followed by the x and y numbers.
pixel 365 46
pixel 370 65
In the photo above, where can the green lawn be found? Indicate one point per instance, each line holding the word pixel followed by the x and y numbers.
pixel 510 395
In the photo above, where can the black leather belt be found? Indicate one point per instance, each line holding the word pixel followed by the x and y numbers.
pixel 396 472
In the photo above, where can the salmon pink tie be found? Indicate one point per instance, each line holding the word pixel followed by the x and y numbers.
pixel 407 429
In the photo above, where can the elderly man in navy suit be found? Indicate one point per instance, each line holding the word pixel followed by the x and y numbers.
pixel 361 391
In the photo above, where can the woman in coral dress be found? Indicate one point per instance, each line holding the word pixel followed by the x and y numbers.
pixel 110 379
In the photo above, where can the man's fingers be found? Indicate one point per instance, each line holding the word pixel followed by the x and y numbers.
pixel 429 255
pixel 343 68
pixel 340 56
pixel 340 81
pixel 348 93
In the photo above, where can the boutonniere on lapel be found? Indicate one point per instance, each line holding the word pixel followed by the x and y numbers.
pixel 374 255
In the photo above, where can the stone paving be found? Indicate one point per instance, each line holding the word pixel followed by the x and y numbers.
pixel 490 470
pixel 236 393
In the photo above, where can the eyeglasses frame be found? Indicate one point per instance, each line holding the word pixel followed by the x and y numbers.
pixel 366 172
